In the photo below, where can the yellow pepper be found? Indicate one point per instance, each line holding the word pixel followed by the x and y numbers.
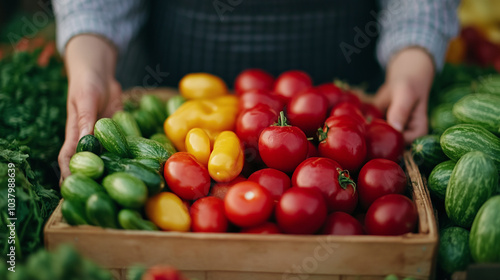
pixel 226 160
pixel 213 115
pixel 167 212
pixel 198 144
pixel 202 85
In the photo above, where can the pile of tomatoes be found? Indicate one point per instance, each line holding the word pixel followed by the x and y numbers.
pixel 318 160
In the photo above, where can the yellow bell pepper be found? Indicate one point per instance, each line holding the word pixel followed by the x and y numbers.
pixel 226 160
pixel 167 212
pixel 213 115
pixel 198 144
pixel 202 85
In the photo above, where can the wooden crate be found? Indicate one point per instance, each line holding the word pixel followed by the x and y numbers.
pixel 235 256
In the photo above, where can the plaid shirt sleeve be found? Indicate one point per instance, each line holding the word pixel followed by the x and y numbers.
pixel 429 24
pixel 116 20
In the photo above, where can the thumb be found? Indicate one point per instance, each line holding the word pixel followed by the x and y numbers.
pixel 402 103
pixel 86 110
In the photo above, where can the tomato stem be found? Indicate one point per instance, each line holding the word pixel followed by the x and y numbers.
pixel 322 134
pixel 345 179
pixel 282 120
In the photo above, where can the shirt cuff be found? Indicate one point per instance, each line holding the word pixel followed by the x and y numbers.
pixel 434 43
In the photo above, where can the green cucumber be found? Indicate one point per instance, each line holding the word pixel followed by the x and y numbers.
pixel 78 188
pixel 481 109
pixel 454 93
pixel 111 137
pixel 488 84
pixel 484 238
pixel 73 213
pixel 125 189
pixel 101 211
pixel 151 178
pixel 88 164
pixel 141 147
pixel 173 103
pixel 460 139
pixel 127 123
pixel 427 152
pixel 163 139
pixel 473 180
pixel 131 219
pixel 146 121
pixel 111 162
pixel 442 117
pixel 149 162
pixel 453 252
pixel 439 178
pixel 89 143
pixel 152 104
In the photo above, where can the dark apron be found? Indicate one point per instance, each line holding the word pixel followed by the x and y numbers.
pixel 227 36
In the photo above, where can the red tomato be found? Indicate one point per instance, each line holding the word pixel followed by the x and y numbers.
pixel 162 273
pixel 219 190
pixel 253 79
pixel 326 175
pixel 248 204
pixel 348 121
pixel 351 98
pixel 250 99
pixel 207 215
pixel 344 144
pixel 377 178
pixel 332 92
pixel 275 181
pixel 290 83
pixel 186 177
pixel 340 223
pixel 312 151
pixel 265 228
pixel 301 211
pixel 282 147
pixel 392 214
pixel 371 112
pixel 383 141
pixel 249 126
pixel 347 109
pixel 307 110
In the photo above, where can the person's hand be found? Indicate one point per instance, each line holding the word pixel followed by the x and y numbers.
pixel 405 93
pixel 93 92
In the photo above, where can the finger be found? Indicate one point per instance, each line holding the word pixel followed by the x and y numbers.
pixel 86 105
pixel 401 106
pixel 382 99
pixel 115 101
pixel 417 126
pixel 70 142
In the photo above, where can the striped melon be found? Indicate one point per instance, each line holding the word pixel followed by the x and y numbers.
pixel 488 84
pixel 481 108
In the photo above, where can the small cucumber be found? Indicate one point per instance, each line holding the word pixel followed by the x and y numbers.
pixel 149 162
pixel 74 213
pixel 163 139
pixel 111 137
pixel 78 188
pixel 127 123
pixel 152 104
pixel 88 164
pixel 131 219
pixel 489 84
pixel 442 117
pixel 111 162
pixel 427 151
pixel 101 211
pixel 126 189
pixel 89 143
pixel 141 147
pixel 153 180
pixel 481 109
pixel 453 252
pixel 484 238
pixel 439 178
pixel 146 121
pixel 173 103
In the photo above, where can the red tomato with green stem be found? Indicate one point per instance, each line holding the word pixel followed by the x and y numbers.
pixel 252 98
pixel 291 83
pixel 283 147
pixel 275 181
pixel 340 223
pixel 301 211
pixel 347 109
pixel 328 177
pixel 207 215
pixel 383 141
pixel 332 93
pixel 186 177
pixel 307 110
pixel 344 120
pixel 248 204
pixel 379 177
pixel 344 144
pixel 265 228
pixel 371 112
pixel 253 79
pixel 219 189
pixel 392 214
